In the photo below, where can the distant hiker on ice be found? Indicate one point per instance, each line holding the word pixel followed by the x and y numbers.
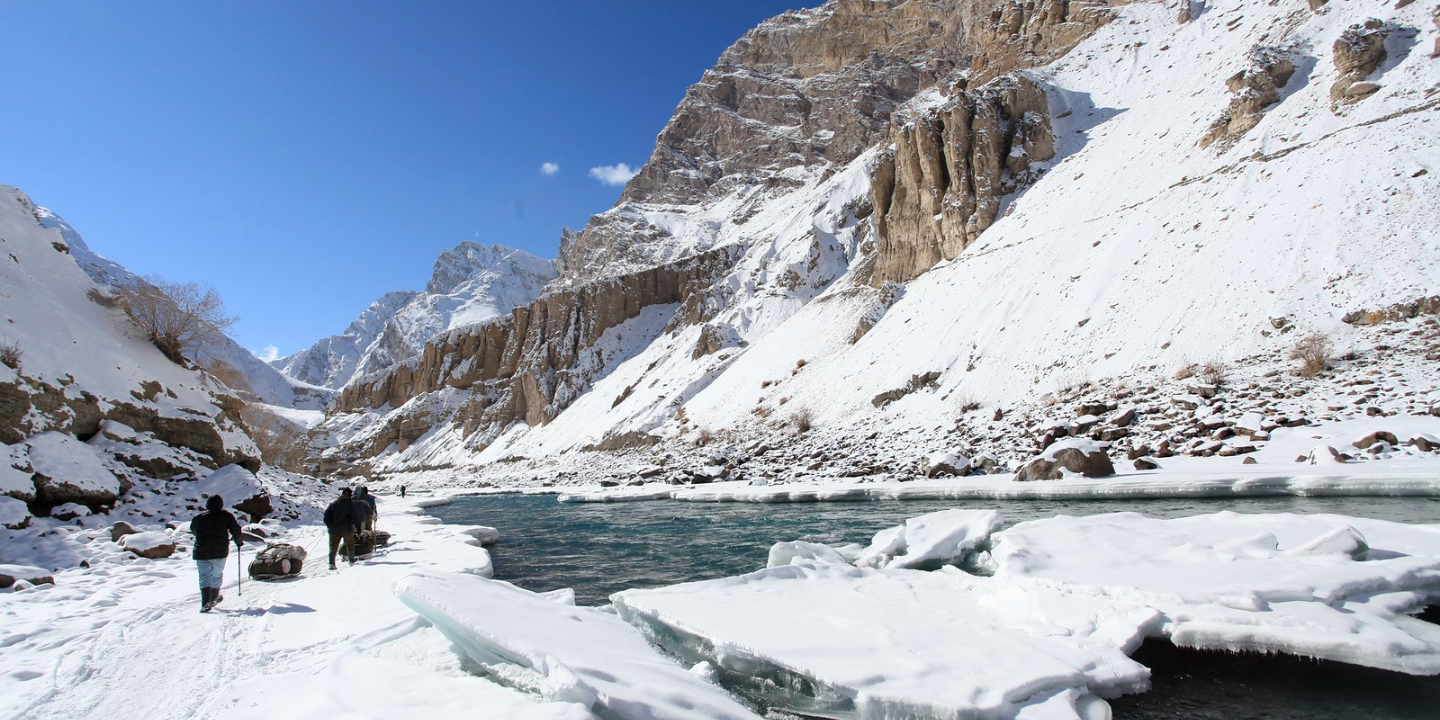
pixel 363 497
pixel 342 520
pixel 213 530
pixel 402 491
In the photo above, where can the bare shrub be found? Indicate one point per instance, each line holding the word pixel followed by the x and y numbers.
pixel 968 404
pixel 705 436
pixel 10 354
pixel 1214 372
pixel 802 419
pixel 1313 352
pixel 1185 372
pixel 177 317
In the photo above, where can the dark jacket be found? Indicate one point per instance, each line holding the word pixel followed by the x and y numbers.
pixel 342 516
pixel 214 530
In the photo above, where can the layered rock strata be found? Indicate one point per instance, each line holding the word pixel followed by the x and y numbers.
pixel 942 183
pixel 523 366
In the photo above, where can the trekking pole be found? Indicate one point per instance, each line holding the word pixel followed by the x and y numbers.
pixel 239 573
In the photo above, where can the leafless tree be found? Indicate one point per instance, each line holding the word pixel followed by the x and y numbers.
pixel 176 316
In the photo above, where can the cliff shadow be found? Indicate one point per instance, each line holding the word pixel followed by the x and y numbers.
pixel 1073 115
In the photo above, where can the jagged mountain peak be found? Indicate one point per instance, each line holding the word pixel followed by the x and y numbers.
pixel 471 260
pixel 471 283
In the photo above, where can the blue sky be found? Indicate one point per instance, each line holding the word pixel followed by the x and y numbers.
pixel 306 157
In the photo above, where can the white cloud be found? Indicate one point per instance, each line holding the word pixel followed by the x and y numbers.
pixel 269 353
pixel 549 168
pixel 613 174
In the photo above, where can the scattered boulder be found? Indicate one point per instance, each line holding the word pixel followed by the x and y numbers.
pixel 944 463
pixel 1357 53
pixel 277 560
pixel 14 514
pixel 1254 89
pixel 152 545
pixel 120 529
pixel 1249 460
pixel 1146 463
pixel 1085 457
pixel 11 574
pixel 1123 418
pixel 1424 443
pixel 1378 436
pixel 69 471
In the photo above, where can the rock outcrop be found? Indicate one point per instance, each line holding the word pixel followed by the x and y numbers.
pixel 523 367
pixel 1357 53
pixel 813 88
pixel 942 184
pixel 1255 88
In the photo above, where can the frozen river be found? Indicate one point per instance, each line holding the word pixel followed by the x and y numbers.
pixel 602 548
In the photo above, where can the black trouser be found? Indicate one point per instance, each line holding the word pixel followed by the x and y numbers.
pixel 336 536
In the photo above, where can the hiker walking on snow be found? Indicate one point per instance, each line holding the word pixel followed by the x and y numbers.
pixel 213 531
pixel 342 520
pixel 364 496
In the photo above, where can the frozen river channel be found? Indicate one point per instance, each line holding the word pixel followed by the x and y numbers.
pixel 602 548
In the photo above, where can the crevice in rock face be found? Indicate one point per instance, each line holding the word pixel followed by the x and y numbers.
pixel 942 184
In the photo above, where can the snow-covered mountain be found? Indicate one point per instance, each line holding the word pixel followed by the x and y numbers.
pixel 238 367
pixel 471 283
pixel 93 418
pixel 1066 196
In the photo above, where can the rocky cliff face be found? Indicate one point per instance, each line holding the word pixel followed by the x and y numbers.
pixel 471 283
pixel 814 89
pixel 942 183
pixel 521 367
pixel 796 101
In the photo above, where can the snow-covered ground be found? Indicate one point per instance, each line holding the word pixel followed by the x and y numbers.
pixel 124 638
pixel 1038 623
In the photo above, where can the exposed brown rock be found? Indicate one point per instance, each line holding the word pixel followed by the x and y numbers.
pixel 1094 464
pixel 1255 88
pixel 11 574
pixel 1357 53
pixel 521 367
pixel 815 87
pixel 120 529
pixel 942 184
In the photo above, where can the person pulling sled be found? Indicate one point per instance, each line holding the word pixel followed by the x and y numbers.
pixel 343 520
pixel 213 530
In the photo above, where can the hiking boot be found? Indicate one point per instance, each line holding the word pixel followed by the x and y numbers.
pixel 332 566
pixel 206 601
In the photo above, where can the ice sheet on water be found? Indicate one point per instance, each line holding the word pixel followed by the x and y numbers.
pixel 1323 586
pixel 931 540
pixel 563 652
pixel 839 641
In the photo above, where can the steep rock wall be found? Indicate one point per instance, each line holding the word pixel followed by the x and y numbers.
pixel 942 184
pixel 521 367
pixel 815 88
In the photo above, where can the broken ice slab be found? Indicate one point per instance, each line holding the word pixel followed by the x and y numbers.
pixel 1323 586
pixel 845 642
pixel 562 652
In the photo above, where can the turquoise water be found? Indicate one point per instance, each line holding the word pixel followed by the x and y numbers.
pixel 602 548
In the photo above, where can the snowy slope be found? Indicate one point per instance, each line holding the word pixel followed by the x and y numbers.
pixel 471 283
pixel 257 378
pixel 1136 253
